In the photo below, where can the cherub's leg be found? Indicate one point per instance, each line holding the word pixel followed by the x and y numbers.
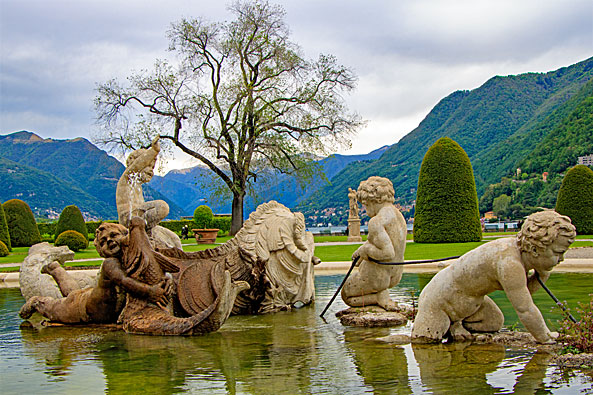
pixel 66 283
pixel 68 310
pixel 488 318
pixel 430 325
pixel 154 212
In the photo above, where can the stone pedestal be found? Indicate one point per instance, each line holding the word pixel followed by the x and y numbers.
pixel 354 229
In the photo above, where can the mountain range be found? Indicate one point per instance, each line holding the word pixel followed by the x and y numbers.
pixel 51 174
pixel 505 123
pixel 536 121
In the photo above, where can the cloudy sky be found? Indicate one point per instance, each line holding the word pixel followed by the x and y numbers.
pixel 408 54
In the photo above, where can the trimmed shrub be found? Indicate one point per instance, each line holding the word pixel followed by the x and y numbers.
pixel 176 225
pixel 21 224
pixel 222 223
pixel 3 249
pixel 73 239
pixel 71 219
pixel 446 201
pixel 203 217
pixel 4 234
pixel 575 198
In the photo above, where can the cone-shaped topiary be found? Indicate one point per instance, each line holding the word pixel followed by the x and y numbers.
pixel 21 224
pixel 446 201
pixel 73 239
pixel 71 219
pixel 3 249
pixel 203 217
pixel 575 198
pixel 4 234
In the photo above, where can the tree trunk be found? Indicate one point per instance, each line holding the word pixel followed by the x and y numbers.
pixel 237 219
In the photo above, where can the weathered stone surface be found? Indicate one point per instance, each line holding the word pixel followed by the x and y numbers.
pixel 386 243
pixel 455 302
pixel 373 319
pixel 272 252
pixel 130 200
pixel 33 282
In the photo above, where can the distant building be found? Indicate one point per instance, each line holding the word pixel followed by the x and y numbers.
pixel 586 160
pixel 489 215
pixel 545 176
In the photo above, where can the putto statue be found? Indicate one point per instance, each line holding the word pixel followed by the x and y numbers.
pixel 134 267
pixel 455 302
pixel 267 267
pixel 130 200
pixel 386 243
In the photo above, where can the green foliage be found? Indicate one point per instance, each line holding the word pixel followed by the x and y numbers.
pixel 71 219
pixel 3 249
pixel 21 224
pixel 578 336
pixel 501 205
pixel 4 234
pixel 498 124
pixel 203 217
pixel 223 223
pixel 73 239
pixel 47 228
pixel 575 198
pixel 447 202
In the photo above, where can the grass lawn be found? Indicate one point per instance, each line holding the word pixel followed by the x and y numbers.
pixel 327 253
pixel 414 251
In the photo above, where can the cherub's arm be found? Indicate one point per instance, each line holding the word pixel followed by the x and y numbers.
pixel 147 157
pixel 532 283
pixel 158 293
pixel 511 275
pixel 378 245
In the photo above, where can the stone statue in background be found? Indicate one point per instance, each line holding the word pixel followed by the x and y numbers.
pixel 130 200
pixel 386 243
pixel 353 204
pixel 455 302
pixel 353 218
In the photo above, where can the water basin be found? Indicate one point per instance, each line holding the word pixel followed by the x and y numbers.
pixel 285 353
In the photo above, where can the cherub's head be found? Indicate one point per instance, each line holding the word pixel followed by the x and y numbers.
pixel 542 229
pixel 109 239
pixel 375 191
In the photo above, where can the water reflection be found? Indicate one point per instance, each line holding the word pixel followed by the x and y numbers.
pixel 294 353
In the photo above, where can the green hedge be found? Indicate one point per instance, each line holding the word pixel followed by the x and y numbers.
pixel 71 219
pixel 575 198
pixel 3 249
pixel 21 224
pixel 4 234
pixel 76 241
pixel 446 201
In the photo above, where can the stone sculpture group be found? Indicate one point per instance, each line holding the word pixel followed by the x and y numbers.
pixel 148 284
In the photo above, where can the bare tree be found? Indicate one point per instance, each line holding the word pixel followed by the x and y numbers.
pixel 242 98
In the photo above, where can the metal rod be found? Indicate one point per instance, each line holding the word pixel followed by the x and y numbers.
pixel 555 299
pixel 413 262
pixel 341 285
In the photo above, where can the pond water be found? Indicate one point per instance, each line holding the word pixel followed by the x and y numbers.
pixel 285 353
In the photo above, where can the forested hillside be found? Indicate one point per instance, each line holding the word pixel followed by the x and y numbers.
pixel 497 124
pixel 56 173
